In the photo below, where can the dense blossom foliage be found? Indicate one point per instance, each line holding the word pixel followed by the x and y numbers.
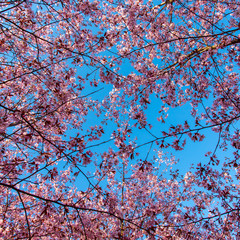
pixel 77 80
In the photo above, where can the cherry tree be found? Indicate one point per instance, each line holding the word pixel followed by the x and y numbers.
pixel 77 82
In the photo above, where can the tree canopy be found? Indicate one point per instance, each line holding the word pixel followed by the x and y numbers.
pixel 83 152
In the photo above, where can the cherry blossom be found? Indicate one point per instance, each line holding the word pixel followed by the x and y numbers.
pixel 83 155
